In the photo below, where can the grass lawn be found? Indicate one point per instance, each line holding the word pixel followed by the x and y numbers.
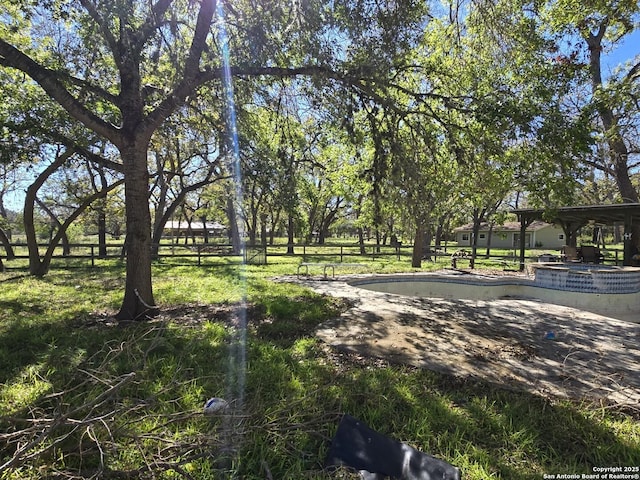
pixel 83 397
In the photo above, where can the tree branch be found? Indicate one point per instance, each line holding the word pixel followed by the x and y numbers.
pixel 199 40
pixel 634 73
pixel 48 80
pixel 104 27
pixel 85 152
pixel 187 86
pixel 191 78
pixel 21 453
pixel 100 92
pixel 151 23
pixel 78 211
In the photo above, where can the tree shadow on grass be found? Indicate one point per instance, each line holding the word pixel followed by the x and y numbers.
pixel 487 432
pixel 289 319
pixel 13 278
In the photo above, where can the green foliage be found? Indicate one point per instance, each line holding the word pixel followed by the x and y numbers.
pixel 378 115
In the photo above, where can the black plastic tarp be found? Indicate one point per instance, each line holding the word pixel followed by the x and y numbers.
pixel 376 456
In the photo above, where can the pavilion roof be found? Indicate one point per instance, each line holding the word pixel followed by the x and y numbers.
pixel 605 214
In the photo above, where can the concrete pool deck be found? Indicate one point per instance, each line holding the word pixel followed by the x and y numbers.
pixel 501 341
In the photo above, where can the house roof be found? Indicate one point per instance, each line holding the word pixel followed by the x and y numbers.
pixel 175 225
pixel 506 227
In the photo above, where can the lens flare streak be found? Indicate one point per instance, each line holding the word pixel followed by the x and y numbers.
pixel 237 342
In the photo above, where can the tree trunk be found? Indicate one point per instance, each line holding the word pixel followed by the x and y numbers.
pixel 205 230
pixel 138 302
pixel 326 222
pixel 102 232
pixel 489 239
pixel 4 239
pixel 570 233
pixel 617 233
pixel 439 233
pixel 234 234
pixel 263 230
pixel 274 223
pixel 102 218
pixel 30 233
pixel 291 236
pixel 363 250
pixel 619 152
pixel 189 231
pixel 253 230
pixel 477 219
pixel 426 247
pixel 35 265
pixel 418 240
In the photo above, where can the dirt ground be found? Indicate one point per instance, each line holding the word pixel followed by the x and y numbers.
pixel 505 342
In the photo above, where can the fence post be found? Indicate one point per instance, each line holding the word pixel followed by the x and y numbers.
pixel 93 264
pixel 341 259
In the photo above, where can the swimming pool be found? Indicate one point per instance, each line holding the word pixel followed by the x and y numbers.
pixel 592 297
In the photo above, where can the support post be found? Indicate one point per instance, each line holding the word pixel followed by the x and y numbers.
pixel 523 233
pixel 628 240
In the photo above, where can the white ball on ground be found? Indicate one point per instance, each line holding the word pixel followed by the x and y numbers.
pixel 215 405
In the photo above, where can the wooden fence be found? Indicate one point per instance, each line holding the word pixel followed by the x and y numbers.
pixel 206 253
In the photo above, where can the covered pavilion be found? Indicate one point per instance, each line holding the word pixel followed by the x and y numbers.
pixel 573 218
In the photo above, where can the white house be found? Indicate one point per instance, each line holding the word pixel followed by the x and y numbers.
pixel 538 234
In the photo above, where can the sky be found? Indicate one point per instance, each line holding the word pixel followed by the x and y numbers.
pixel 626 51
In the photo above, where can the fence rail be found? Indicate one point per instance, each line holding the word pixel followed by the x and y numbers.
pixel 201 252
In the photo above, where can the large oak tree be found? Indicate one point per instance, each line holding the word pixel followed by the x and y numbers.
pixel 99 77
pixel 122 67
pixel 586 33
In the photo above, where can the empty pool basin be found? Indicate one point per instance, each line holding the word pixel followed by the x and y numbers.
pixel 609 293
